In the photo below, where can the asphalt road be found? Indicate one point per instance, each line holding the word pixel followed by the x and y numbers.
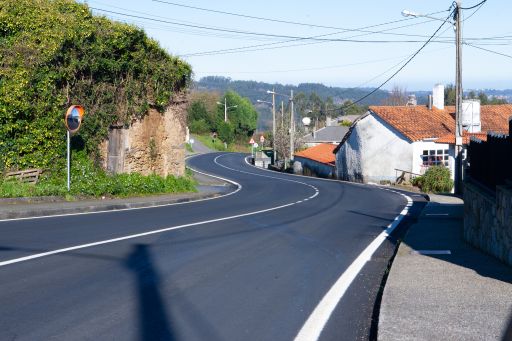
pixel 252 265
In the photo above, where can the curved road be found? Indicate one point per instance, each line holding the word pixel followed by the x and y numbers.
pixel 266 262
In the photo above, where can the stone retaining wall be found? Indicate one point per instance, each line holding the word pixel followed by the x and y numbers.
pixel 154 144
pixel 488 220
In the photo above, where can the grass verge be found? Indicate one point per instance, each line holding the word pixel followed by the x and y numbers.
pixel 91 181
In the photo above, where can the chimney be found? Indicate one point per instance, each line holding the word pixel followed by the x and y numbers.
pixel 429 102
pixel 438 96
pixel 412 102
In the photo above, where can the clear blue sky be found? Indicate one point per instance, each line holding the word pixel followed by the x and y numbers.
pixel 335 63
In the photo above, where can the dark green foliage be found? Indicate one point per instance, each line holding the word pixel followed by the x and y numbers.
pixel 484 99
pixel 199 127
pixel 90 180
pixel 331 96
pixel 436 179
pixel 226 132
pixel 54 54
pixel 203 118
pixel 243 118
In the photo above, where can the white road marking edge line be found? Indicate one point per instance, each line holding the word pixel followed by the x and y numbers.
pixel 312 328
pixel 239 187
pixel 82 246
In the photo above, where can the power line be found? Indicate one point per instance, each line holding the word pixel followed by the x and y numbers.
pixel 400 69
pixel 478 4
pixel 269 19
pixel 255 33
pixel 325 67
pixel 261 47
pixel 491 51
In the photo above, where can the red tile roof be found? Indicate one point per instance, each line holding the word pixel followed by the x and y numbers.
pixel 322 153
pixel 450 139
pixel 418 122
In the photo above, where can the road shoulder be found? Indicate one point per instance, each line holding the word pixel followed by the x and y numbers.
pixel 465 294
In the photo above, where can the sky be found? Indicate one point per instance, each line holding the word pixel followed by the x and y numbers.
pixel 358 43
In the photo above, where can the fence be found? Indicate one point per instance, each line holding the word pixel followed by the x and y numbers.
pixel 490 162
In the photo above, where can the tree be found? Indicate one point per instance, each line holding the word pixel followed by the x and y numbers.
pixel 397 96
pixel 226 132
pixel 243 118
pixel 450 94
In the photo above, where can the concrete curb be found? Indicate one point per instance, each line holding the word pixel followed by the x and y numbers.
pixel 102 206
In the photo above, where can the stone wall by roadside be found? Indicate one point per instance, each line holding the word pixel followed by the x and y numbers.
pixel 154 144
pixel 488 220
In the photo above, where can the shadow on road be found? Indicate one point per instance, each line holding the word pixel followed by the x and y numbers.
pixel 153 318
pixel 507 334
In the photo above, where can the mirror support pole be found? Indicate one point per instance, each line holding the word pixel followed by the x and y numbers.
pixel 68 159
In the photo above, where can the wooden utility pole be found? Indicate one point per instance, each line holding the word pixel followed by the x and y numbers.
pixel 274 124
pixel 292 128
pixel 458 99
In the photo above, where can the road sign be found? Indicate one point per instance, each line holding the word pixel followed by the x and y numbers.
pixel 251 141
pixel 73 118
pixel 262 139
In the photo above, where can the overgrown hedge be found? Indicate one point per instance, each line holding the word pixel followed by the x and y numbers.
pixel 54 53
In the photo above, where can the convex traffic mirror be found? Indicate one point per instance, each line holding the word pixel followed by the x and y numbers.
pixel 73 118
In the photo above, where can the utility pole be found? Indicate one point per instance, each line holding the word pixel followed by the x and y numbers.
pixel 458 99
pixel 274 124
pixel 292 128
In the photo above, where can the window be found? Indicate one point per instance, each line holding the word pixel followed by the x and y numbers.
pixel 433 157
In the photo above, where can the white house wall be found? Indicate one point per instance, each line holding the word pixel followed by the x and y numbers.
pixel 373 151
pixel 418 148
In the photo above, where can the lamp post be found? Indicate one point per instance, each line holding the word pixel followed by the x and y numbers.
pixel 458 87
pixel 273 104
pixel 292 123
pixel 225 104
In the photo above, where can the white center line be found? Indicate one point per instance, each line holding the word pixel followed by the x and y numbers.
pixel 138 235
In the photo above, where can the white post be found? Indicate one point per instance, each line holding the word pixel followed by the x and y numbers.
pixel 69 158
pixel 225 109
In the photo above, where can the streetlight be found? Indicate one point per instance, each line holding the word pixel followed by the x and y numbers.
pixel 225 104
pixel 292 124
pixel 458 87
pixel 273 104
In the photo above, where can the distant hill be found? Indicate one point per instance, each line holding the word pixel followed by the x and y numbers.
pixel 258 91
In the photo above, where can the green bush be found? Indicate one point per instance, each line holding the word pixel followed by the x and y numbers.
pixel 89 180
pixel 199 126
pixel 226 132
pixel 436 179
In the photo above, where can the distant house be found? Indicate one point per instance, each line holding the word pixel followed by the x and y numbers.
pixel 329 134
pixel 411 138
pixel 318 160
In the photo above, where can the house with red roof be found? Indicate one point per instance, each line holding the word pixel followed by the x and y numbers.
pixel 412 138
pixel 318 160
